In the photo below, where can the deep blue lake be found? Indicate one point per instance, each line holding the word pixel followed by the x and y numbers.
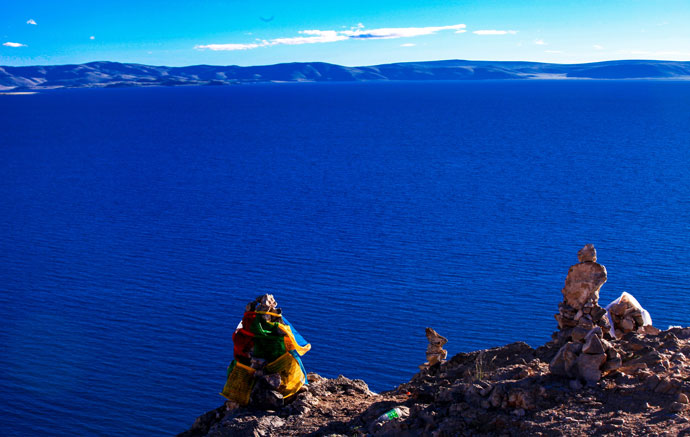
pixel 136 224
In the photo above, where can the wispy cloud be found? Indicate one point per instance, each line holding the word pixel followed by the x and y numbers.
pixel 230 47
pixel 313 36
pixel 92 37
pixel 399 32
pixel 409 44
pixel 540 42
pixel 598 47
pixel 13 44
pixel 32 21
pixel 495 32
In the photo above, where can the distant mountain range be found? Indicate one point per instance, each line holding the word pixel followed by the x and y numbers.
pixel 114 74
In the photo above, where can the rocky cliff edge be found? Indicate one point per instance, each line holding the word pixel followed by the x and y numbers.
pixel 605 372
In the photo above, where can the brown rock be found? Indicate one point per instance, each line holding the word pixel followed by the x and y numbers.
pixel 587 254
pixel 652 382
pixel 651 330
pixel 584 279
pixel 578 334
pixel 667 385
pixel 565 322
pixel 603 323
pixel 588 367
pixel 597 312
pixel 566 310
pixel 435 338
pixel 593 344
pixel 564 362
pixel 614 361
pixel 586 323
pixel 626 325
pixel 612 364
pixel 677 407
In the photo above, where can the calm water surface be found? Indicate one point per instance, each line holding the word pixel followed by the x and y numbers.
pixel 137 223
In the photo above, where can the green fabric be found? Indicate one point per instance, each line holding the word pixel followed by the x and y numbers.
pixel 269 340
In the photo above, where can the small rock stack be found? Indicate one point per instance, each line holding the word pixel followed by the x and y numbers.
pixel 585 353
pixel 626 315
pixel 434 352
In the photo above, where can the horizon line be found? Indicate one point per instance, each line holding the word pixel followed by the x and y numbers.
pixel 342 65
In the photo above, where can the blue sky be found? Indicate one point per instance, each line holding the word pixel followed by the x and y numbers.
pixel 344 32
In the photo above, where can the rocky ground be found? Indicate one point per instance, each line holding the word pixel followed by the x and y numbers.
pixel 501 391
pixel 603 373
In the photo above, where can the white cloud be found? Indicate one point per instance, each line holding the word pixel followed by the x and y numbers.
pixel 312 36
pixel 495 32
pixel 13 44
pixel 598 47
pixel 217 47
pixel 398 32
pixel 32 21
pixel 92 37
pixel 317 32
pixel 409 44
pixel 540 42
pixel 553 51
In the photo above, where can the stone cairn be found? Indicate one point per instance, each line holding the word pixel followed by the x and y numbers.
pixel 585 353
pixel 265 392
pixel 626 315
pixel 434 352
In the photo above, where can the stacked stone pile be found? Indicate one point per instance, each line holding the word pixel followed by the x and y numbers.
pixel 513 389
pixel 626 315
pixel 586 354
pixel 434 351
pixel 580 311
